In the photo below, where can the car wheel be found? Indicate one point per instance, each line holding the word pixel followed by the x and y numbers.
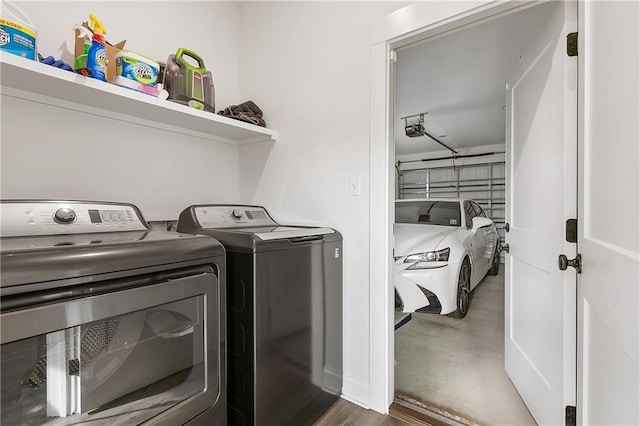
pixel 495 263
pixel 464 290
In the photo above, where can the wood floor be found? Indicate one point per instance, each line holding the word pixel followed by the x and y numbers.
pixel 346 413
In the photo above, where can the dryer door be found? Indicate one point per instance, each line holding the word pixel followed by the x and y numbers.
pixel 123 357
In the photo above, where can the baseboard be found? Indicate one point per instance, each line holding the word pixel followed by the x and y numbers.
pixel 356 392
pixel 331 379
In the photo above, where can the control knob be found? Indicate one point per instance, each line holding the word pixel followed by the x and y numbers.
pixel 64 215
pixel 237 213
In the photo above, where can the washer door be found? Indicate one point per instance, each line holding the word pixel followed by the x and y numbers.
pixel 125 357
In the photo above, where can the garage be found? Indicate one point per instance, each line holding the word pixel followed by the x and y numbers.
pixel 450 143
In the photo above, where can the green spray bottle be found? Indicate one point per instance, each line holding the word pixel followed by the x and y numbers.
pixel 86 34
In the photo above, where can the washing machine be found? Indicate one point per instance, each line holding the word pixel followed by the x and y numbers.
pixel 284 289
pixel 105 321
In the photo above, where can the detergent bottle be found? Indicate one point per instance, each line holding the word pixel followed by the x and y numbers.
pixel 97 54
pixel 17 32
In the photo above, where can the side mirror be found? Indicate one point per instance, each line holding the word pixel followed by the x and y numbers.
pixel 480 222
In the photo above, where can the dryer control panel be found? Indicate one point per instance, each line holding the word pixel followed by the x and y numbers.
pixel 28 218
pixel 232 216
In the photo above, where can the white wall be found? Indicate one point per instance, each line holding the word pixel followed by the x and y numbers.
pixel 306 64
pixel 51 152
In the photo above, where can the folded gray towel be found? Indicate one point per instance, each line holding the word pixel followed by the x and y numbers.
pixel 247 111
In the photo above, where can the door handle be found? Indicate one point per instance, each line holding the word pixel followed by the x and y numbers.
pixel 564 263
pixel 504 248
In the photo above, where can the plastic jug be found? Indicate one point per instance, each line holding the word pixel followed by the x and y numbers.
pixel 18 33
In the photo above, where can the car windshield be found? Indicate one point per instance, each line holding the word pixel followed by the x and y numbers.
pixel 428 212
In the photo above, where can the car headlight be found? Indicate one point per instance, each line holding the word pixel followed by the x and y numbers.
pixel 428 256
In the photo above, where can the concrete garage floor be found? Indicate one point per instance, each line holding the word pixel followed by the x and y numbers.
pixel 458 365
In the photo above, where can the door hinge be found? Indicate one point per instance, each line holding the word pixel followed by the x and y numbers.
pixel 572 44
pixel 570 415
pixel 571 230
pixel 393 56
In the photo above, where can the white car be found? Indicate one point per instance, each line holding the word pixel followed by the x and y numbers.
pixel 443 248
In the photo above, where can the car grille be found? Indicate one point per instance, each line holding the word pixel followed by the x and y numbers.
pixel 426 292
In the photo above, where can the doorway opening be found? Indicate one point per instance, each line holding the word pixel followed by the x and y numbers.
pixel 453 368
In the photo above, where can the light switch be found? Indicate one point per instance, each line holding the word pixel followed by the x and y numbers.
pixel 354 185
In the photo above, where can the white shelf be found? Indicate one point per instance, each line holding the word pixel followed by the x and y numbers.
pixel 31 80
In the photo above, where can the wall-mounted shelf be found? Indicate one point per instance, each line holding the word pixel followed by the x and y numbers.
pixel 31 80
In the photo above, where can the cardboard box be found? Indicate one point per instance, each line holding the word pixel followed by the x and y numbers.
pixel 112 49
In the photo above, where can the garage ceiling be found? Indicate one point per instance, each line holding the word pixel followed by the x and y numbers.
pixel 459 79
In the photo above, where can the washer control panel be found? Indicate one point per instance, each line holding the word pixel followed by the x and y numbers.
pixel 65 215
pixel 217 216
pixel 25 218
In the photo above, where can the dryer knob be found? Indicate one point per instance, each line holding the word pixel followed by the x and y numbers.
pixel 237 213
pixel 64 215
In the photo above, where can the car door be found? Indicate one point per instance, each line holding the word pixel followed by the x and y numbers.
pixel 475 242
pixel 488 237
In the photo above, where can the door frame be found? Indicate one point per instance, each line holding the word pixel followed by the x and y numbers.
pixel 400 29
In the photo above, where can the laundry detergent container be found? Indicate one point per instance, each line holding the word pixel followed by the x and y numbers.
pixel 18 34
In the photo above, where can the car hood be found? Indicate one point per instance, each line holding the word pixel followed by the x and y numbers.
pixel 417 238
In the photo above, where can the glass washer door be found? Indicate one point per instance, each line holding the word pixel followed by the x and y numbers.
pixel 118 369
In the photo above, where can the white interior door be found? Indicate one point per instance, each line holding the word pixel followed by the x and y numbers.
pixel 540 300
pixel 609 234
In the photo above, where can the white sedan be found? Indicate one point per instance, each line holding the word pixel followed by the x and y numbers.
pixel 443 249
